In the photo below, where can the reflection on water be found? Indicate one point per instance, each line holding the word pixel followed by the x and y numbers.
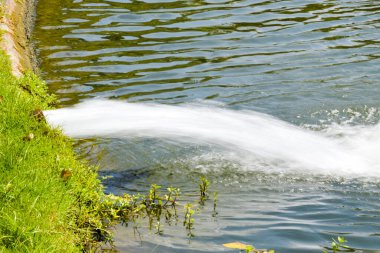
pixel 311 62
pixel 273 56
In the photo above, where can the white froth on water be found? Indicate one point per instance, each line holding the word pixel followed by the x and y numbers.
pixel 253 136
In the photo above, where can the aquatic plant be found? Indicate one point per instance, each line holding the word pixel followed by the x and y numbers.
pixel 338 245
pixel 214 212
pixel 189 220
pixel 154 206
pixel 203 188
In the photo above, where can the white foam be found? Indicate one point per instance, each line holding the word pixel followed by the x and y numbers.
pixel 251 135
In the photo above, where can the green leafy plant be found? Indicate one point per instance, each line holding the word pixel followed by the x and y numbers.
pixel 153 206
pixel 189 220
pixel 203 187
pixel 338 245
pixel 249 249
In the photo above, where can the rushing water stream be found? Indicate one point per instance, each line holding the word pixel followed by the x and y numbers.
pixel 276 102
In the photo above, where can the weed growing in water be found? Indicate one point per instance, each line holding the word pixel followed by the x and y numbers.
pixel 214 212
pixel 338 245
pixel 154 206
pixel 203 187
pixel 189 220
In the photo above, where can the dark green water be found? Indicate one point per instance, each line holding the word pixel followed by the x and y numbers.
pixel 313 63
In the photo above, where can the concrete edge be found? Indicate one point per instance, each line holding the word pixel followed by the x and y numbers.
pixel 16 25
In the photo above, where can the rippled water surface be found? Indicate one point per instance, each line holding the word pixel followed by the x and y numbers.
pixel 313 63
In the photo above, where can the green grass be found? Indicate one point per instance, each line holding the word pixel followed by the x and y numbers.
pixel 39 210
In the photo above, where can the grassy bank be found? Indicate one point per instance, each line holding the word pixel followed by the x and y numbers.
pixel 48 200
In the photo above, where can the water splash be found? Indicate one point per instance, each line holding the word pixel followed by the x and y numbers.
pixel 254 138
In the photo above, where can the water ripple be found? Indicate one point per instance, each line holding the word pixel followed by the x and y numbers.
pixel 272 47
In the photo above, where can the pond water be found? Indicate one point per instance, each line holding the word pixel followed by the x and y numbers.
pixel 276 102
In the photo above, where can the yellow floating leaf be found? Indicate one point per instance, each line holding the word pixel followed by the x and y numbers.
pixel 236 245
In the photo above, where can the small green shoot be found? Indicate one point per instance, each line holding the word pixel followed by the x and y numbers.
pixel 203 187
pixel 214 212
pixel 338 245
pixel 189 220
pixel 249 249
